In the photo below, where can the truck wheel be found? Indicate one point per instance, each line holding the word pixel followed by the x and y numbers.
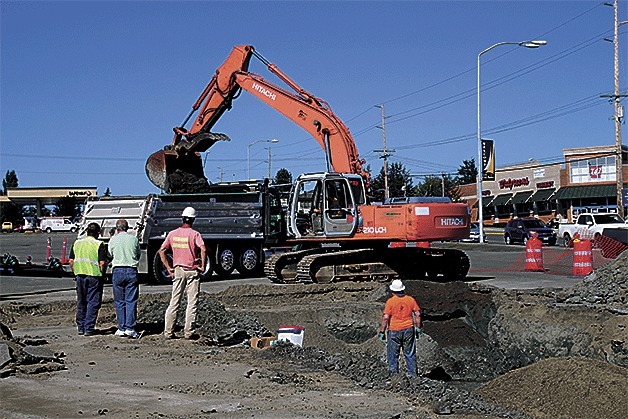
pixel 161 274
pixel 225 262
pixel 567 239
pixel 73 230
pixel 249 262
pixel 48 230
pixel 507 239
pixel 209 269
pixel 159 270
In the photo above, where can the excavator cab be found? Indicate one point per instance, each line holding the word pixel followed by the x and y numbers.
pixel 322 205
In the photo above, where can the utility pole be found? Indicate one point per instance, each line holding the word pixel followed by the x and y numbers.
pixel 385 153
pixel 618 108
pixel 268 162
pixel 442 183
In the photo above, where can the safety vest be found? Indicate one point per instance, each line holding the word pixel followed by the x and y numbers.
pixel 86 257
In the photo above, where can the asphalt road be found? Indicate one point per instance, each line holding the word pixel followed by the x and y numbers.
pixel 493 263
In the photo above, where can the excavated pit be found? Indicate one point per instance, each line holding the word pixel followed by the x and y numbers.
pixel 476 339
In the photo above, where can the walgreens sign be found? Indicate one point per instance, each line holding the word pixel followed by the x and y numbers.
pixel 513 183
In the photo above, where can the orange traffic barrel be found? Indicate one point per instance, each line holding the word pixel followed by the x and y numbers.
pixel 582 257
pixel 534 254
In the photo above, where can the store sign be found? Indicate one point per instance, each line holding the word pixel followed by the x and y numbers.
pixel 486 192
pixel 80 193
pixel 595 172
pixel 539 173
pixel 545 185
pixel 513 183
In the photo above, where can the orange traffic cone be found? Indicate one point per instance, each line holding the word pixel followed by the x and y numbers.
pixel 534 254
pixel 582 257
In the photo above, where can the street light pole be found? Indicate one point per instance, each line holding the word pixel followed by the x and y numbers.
pixel 248 154
pixel 525 44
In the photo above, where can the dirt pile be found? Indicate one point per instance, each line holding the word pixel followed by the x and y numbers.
pixel 182 182
pixel 563 388
pixel 607 286
pixel 215 324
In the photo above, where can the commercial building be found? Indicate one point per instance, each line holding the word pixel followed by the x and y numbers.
pixel 40 197
pixel 584 182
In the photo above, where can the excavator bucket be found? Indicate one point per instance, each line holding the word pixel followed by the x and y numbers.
pixel 174 172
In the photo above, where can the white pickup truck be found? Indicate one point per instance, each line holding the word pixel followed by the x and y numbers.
pixel 589 225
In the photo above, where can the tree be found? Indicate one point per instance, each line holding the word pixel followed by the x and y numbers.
pixel 399 182
pixel 8 210
pixel 433 186
pixel 9 181
pixel 467 172
pixel 107 192
pixel 67 207
pixel 283 176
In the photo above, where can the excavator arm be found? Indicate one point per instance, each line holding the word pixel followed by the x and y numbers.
pixel 312 114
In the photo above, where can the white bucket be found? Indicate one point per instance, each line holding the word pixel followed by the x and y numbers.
pixel 293 334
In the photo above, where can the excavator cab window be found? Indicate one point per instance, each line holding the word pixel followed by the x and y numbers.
pixel 323 206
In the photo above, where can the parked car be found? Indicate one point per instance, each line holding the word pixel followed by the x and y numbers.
pixel 519 230
pixel 7 227
pixel 474 234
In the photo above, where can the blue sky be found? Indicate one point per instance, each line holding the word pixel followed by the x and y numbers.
pixel 90 89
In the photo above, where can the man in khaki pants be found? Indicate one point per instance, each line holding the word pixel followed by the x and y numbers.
pixel 188 261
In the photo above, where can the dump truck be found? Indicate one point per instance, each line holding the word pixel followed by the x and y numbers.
pixel 238 221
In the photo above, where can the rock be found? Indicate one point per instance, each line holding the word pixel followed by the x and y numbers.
pixel 36 354
pixel 5 355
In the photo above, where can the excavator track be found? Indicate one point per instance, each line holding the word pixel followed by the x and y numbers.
pixel 331 265
pixel 281 268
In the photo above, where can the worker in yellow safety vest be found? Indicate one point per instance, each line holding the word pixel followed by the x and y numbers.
pixel 88 259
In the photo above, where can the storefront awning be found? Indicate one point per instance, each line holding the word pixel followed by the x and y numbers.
pixel 542 195
pixel 521 197
pixel 485 201
pixel 588 191
pixel 501 199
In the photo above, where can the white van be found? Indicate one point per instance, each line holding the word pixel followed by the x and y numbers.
pixel 57 224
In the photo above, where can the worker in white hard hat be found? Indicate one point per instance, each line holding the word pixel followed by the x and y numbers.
pixel 188 261
pixel 402 320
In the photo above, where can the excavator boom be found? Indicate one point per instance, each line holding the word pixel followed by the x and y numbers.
pixel 179 164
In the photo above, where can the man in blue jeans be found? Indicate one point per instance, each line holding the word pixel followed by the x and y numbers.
pixel 402 318
pixel 88 260
pixel 124 249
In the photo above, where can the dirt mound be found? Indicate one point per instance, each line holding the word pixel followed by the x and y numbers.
pixel 607 285
pixel 563 388
pixel 213 322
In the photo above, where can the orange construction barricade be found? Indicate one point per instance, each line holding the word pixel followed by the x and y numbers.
pixel 534 254
pixel 582 257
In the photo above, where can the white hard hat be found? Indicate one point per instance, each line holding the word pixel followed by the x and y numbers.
pixel 397 286
pixel 189 212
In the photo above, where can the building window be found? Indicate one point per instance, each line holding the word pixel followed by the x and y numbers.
pixel 598 169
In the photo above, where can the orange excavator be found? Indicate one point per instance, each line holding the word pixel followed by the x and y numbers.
pixel 337 233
